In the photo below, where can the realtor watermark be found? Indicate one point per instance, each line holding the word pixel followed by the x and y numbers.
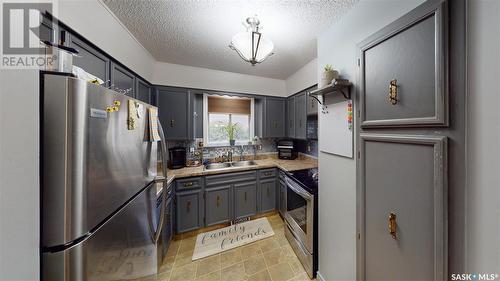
pixel 22 34
pixel 475 276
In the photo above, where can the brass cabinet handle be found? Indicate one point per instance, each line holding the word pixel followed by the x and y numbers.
pixel 392 225
pixel 267 174
pixel 188 206
pixel 245 196
pixel 218 201
pixel 187 184
pixel 393 92
pixel 172 122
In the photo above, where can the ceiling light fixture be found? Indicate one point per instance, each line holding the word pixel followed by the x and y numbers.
pixel 251 45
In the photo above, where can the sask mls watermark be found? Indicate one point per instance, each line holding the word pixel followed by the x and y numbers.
pixel 475 276
pixel 22 35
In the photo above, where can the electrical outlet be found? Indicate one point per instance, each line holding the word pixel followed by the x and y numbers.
pixel 259 147
pixel 191 149
pixel 308 148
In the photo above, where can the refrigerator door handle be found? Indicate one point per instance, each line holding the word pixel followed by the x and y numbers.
pixel 163 150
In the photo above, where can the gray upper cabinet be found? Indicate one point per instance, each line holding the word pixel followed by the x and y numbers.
pixel 403 183
pixel 90 59
pixel 245 199
pixel 218 202
pixel 267 194
pixel 420 92
pixel 300 116
pixel 275 117
pixel 312 103
pixel 174 108
pixel 46 30
pixel 290 117
pixel 189 210
pixel 122 80
pixel 143 91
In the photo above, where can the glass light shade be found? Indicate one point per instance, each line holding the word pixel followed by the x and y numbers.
pixel 242 43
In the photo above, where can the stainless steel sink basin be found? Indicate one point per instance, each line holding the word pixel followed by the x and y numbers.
pixel 214 166
pixel 225 165
pixel 243 163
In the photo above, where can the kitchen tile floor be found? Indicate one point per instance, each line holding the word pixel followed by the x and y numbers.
pixel 270 259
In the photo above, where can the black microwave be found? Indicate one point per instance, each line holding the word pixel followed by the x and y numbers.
pixel 286 150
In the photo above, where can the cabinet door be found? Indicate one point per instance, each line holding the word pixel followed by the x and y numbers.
pixel 421 91
pixel 217 201
pixel 143 91
pixel 275 117
pixel 245 199
pixel 282 198
pixel 122 80
pixel 300 116
pixel 90 59
pixel 267 195
pixel 312 103
pixel 46 30
pixel 189 205
pixel 173 107
pixel 403 183
pixel 290 120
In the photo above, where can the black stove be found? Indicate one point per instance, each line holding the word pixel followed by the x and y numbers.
pixel 307 178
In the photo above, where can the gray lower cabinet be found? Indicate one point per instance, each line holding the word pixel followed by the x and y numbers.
pixel 218 205
pixel 282 197
pixel 90 59
pixel 245 199
pixel 189 210
pixel 267 194
pixel 122 80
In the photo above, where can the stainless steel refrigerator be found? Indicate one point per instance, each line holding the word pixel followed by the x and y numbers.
pixel 99 183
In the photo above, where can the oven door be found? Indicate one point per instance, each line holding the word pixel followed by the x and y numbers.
pixel 299 213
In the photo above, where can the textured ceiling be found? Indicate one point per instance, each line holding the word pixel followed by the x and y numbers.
pixel 197 33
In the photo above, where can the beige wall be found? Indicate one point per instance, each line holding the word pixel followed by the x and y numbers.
pixel 303 78
pixel 337 190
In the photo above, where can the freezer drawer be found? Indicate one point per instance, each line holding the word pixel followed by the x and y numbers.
pixel 120 249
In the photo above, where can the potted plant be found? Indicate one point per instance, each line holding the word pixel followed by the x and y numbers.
pixel 231 129
pixel 328 75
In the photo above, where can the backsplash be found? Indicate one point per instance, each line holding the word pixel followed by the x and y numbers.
pixel 309 147
pixel 267 145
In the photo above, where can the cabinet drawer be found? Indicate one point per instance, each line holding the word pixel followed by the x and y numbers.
pixel 189 183
pixel 267 173
pixel 230 178
pixel 413 59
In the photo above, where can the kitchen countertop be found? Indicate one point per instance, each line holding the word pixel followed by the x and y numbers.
pixel 302 162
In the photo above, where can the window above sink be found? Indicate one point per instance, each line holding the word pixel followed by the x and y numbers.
pixel 222 112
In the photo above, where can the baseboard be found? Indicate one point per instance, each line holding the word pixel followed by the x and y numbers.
pixel 319 277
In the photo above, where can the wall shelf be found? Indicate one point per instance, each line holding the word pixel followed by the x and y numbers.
pixel 342 86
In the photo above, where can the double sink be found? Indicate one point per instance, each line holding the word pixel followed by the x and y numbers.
pixel 227 165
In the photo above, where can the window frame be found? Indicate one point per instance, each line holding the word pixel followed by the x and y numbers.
pixel 206 141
